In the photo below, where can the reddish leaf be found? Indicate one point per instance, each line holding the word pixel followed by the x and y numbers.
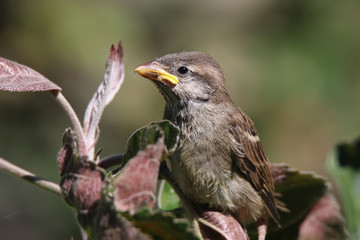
pixel 114 77
pixel 89 187
pixel 83 186
pixel 220 226
pixel 324 222
pixel 136 185
pixel 15 77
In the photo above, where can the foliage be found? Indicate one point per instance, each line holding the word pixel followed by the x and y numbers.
pixel 120 205
pixel 293 66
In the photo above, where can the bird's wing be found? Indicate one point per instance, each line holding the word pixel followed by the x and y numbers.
pixel 251 159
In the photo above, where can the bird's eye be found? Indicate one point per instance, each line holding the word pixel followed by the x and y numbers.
pixel 183 70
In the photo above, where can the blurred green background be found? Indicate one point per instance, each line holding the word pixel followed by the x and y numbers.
pixel 293 66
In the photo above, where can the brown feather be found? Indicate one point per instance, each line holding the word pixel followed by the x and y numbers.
pixel 253 162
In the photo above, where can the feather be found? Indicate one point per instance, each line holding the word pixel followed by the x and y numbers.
pixel 252 162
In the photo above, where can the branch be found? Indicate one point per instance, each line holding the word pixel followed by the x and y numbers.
pixel 110 161
pixel 28 176
pixel 74 120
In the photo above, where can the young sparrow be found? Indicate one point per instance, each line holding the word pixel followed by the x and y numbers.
pixel 219 160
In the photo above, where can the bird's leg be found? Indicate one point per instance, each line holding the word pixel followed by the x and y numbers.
pixel 261 229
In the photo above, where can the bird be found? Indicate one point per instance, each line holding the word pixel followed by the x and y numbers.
pixel 219 160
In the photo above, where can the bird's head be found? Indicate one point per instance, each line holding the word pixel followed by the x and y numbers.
pixel 186 76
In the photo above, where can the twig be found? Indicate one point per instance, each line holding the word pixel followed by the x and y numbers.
pixel 28 176
pixel 74 120
pixel 110 161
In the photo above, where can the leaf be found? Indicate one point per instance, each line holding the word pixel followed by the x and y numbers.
pixel 135 185
pixel 300 191
pixel 217 225
pixel 169 199
pixel 324 222
pixel 163 225
pixel 15 77
pixel 149 135
pixel 84 187
pixel 114 77
pixel 136 182
pixel 81 180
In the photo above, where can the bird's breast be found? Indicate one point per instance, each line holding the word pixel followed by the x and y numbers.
pixel 201 163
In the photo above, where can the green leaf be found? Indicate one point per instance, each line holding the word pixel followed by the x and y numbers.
pixel 163 225
pixel 300 191
pixel 171 134
pixel 149 135
pixel 169 199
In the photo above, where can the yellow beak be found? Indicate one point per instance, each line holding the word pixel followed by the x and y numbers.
pixel 153 71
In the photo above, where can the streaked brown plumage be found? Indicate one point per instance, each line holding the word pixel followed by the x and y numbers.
pixel 219 160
